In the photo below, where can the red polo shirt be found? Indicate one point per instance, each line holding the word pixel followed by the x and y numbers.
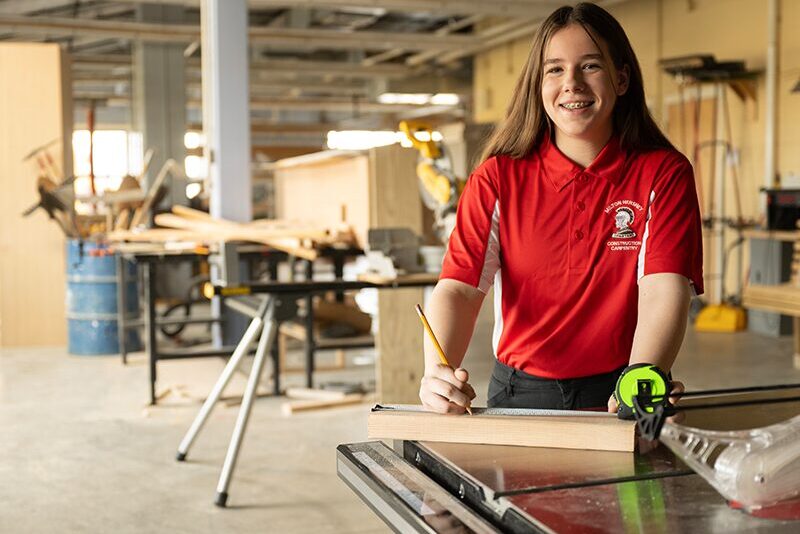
pixel 565 247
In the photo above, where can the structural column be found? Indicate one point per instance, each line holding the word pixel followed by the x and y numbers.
pixel 159 97
pixel 226 124
pixel 226 121
pixel 159 113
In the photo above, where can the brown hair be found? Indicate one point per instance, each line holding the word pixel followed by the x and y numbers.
pixel 526 121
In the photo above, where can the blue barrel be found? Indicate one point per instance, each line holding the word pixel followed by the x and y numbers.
pixel 92 300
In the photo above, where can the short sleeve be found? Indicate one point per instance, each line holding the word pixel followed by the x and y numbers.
pixel 672 241
pixel 473 252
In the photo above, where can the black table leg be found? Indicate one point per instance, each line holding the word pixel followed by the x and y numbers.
pixel 276 364
pixel 121 307
pixel 272 266
pixel 310 345
pixel 150 325
pixel 338 270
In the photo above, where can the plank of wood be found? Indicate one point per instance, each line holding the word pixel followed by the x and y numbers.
pixel 163 235
pixel 156 235
pixel 782 298
pixel 567 432
pixel 197 215
pixel 314 394
pixel 191 213
pixel 399 364
pixel 340 312
pixel 223 228
pixel 778 235
pixel 292 407
pixel 375 278
pixel 123 219
pixel 395 202
pixel 170 166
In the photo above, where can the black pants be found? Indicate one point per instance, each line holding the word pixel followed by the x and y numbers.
pixel 512 388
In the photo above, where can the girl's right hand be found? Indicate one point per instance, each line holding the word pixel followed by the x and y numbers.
pixel 446 390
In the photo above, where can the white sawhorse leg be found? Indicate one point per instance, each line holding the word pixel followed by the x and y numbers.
pixel 262 321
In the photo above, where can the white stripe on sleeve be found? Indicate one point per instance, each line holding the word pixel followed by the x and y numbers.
pixel 643 249
pixel 498 311
pixel 491 261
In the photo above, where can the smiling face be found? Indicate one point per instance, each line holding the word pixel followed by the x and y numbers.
pixel 580 86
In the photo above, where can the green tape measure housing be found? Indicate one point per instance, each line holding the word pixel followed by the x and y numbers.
pixel 638 377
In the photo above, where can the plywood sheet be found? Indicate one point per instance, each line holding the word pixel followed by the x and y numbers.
pixel 34 99
pixel 315 192
pixel 395 202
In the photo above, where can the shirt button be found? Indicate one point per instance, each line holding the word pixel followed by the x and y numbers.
pixel 578 235
pixel 584 178
pixel 580 206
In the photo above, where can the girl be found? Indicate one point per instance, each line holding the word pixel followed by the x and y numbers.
pixel 584 218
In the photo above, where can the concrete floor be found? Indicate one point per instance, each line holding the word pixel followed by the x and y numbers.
pixel 82 452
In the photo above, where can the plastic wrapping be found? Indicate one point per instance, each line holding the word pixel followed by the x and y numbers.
pixel 754 467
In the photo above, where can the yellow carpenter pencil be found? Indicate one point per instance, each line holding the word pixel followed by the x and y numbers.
pixel 429 330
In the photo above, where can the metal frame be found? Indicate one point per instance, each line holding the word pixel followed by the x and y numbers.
pixel 262 319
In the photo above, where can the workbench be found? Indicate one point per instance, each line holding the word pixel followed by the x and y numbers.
pixel 446 487
pixel 147 261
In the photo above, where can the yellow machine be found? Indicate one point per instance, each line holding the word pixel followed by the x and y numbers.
pixel 439 186
pixel 721 318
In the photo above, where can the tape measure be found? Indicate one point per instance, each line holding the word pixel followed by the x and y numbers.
pixel 640 379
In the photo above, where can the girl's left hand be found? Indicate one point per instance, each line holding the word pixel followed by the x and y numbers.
pixel 644 446
pixel 677 387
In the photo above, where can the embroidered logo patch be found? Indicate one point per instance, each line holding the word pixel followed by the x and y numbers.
pixel 625 213
pixel 623 220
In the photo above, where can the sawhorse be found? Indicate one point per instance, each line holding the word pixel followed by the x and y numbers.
pixel 264 321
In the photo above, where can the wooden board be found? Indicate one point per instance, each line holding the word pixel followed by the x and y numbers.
pixel 316 190
pixel 606 433
pixel 782 298
pixel 395 202
pixel 36 108
pixel 291 407
pixel 375 278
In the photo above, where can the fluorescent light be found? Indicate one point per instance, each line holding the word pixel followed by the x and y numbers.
pixel 196 167
pixel 445 99
pixel 439 99
pixel 360 139
pixel 404 98
pixel 365 139
pixel 193 140
pixel 193 189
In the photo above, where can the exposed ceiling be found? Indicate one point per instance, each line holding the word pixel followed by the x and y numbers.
pixel 313 62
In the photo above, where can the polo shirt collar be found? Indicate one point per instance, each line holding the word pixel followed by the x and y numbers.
pixel 560 170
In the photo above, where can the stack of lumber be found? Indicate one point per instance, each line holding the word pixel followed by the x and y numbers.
pixel 194 226
pixel 783 298
pixel 780 298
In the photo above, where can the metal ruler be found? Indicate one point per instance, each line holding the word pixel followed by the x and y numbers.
pixel 496 411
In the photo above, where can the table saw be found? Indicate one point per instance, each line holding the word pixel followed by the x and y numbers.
pixel 448 487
